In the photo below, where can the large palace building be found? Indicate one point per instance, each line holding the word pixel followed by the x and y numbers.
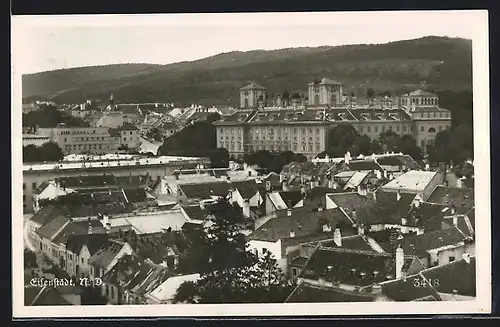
pixel 287 122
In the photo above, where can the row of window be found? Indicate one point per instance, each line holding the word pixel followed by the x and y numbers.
pixel 419 101
pixel 384 128
pixel 431 115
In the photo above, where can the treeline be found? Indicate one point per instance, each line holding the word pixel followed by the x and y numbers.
pixel 273 162
pixel 197 140
pixel 49 152
pixel 344 138
pixel 50 116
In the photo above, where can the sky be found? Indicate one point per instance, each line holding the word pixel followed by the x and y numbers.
pixel 42 43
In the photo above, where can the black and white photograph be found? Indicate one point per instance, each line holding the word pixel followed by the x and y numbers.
pixel 251 164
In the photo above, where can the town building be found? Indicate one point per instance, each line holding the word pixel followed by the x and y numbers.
pixel 36 140
pixel 36 174
pixel 92 140
pixel 261 125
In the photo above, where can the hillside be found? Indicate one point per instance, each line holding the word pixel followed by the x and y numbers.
pixel 443 63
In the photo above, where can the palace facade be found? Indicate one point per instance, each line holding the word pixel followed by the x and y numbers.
pixel 290 123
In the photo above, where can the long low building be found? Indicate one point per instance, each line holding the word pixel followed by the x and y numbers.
pixel 36 174
pixel 304 129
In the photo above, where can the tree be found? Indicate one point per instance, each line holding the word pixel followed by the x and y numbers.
pixel 219 158
pixel 370 93
pixel 408 145
pixel 389 141
pixel 230 273
pixel 362 145
pixel 341 139
pixel 49 151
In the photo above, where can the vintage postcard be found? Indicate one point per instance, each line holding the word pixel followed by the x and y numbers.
pixel 258 164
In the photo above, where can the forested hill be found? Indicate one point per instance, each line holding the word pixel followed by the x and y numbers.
pixel 442 63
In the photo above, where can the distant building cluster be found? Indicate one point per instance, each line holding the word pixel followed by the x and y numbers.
pixel 350 229
pixel 291 122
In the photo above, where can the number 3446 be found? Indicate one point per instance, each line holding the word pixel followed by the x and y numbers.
pixel 424 283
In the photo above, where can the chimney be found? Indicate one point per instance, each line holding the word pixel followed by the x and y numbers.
pixel 417 201
pixel 292 233
pixel 466 257
pixel 108 227
pixel 176 261
pixel 90 226
pixel 320 208
pixel 375 195
pixel 326 228
pixel 398 196
pixel 354 216
pixel 337 237
pixel 376 289
pixel 455 220
pixel 403 221
pixel 361 229
pixel 362 190
pixel 400 259
pixel 246 209
pixel 459 182
pixel 289 212
pixel 268 186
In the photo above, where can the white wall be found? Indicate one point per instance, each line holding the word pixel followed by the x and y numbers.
pixel 273 247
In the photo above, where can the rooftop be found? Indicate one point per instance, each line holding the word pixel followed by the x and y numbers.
pixel 133 162
pixel 307 293
pixel 420 92
pixel 103 257
pixel 460 197
pixel 412 181
pixel 419 245
pixel 352 267
pixel 166 291
pixel 300 224
pixel 458 276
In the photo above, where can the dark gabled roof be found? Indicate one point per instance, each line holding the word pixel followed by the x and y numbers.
pixel 135 195
pixel 459 275
pixel 146 278
pixel 93 242
pixel 363 209
pixel 464 223
pixel 410 289
pixel 194 212
pixel 104 256
pixel 389 200
pixel 460 197
pixel 247 189
pixel 419 244
pixel 354 242
pixel 50 229
pixel 205 190
pixel 75 228
pixel 291 198
pixel 303 224
pixel 47 213
pixel 431 216
pixel 353 267
pixel 363 165
pixel 310 293
pixel 87 181
pixel 399 160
